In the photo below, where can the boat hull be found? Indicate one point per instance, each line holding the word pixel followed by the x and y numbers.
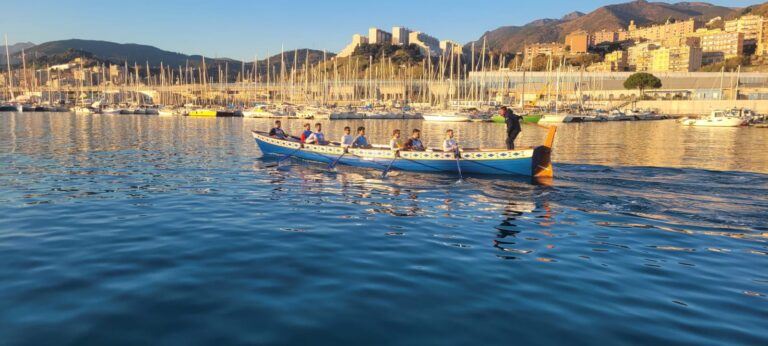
pixel 716 122
pixel 202 113
pixel 447 118
pixel 527 119
pixel 9 109
pixel 531 118
pixel 496 162
pixel 555 118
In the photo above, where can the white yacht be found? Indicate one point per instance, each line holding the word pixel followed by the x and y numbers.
pixel 259 111
pixel 556 118
pixel 718 118
pixel 81 110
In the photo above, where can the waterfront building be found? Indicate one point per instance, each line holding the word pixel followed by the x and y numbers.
pixel 749 25
pixel 548 49
pixel 661 33
pixel 378 36
pixel 357 40
pixel 578 42
pixel 428 45
pixel 400 36
pixel 607 85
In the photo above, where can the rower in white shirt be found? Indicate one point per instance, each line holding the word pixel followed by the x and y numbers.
pixel 346 139
pixel 450 143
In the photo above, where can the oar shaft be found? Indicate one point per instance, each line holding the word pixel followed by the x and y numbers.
pixel 288 156
pixel 332 165
pixel 458 164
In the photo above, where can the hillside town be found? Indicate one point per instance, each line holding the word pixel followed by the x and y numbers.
pixel 675 46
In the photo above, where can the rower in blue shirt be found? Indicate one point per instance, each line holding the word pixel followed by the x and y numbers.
pixel 306 133
pixel 360 141
pixel 277 131
pixel 316 137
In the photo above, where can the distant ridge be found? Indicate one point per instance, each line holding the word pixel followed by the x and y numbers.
pixel 510 39
pixel 119 53
pixel 114 52
pixel 14 48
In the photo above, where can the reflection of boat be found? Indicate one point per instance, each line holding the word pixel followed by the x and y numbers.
pixel 534 162
pixel 717 119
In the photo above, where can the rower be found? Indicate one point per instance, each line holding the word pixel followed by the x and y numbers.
pixel 316 137
pixel 277 131
pixel 414 143
pixel 307 132
pixel 396 143
pixel 346 139
pixel 450 144
pixel 361 141
pixel 513 125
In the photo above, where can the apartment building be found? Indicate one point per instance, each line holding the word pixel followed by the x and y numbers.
pixel 548 49
pixel 660 33
pixel 578 42
pixel 749 25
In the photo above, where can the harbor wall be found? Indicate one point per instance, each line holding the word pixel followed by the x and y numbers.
pixel 702 107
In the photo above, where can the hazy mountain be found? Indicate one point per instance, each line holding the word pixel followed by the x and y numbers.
pixel 57 52
pixel 111 51
pixel 611 17
pixel 761 9
pixel 14 48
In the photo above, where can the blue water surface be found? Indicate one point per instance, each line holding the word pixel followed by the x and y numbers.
pixel 123 229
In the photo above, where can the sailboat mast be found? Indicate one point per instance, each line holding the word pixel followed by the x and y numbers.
pixel 10 74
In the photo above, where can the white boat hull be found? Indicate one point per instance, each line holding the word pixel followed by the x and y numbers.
pixel 715 122
pixel 555 118
pixel 447 118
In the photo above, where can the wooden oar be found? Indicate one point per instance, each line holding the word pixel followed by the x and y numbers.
pixel 333 165
pixel 284 158
pixel 458 164
pixel 386 170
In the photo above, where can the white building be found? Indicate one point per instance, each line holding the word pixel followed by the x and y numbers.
pixel 357 40
pixel 428 45
pixel 378 36
pixel 400 36
pixel 451 47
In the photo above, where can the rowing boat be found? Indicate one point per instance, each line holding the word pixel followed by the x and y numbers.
pixel 529 161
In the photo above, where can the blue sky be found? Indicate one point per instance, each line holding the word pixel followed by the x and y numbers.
pixel 241 29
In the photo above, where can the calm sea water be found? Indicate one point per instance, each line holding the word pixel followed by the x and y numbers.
pixel 145 230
